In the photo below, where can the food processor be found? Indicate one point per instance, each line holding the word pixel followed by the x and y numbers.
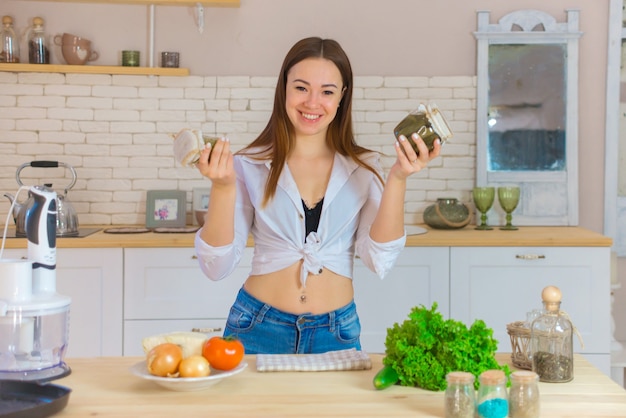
pixel 34 318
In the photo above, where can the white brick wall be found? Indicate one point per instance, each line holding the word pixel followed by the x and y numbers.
pixel 114 130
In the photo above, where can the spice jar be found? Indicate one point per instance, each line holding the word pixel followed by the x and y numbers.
pixel 524 395
pixel 189 143
pixel 9 43
pixel 551 343
pixel 493 400
pixel 38 52
pixel 428 122
pixel 459 398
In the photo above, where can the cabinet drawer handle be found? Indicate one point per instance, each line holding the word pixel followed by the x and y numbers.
pixel 206 330
pixel 194 257
pixel 530 256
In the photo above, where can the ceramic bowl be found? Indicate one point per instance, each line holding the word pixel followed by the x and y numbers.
pixel 186 384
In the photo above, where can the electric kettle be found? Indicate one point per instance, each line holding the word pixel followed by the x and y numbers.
pixel 67 219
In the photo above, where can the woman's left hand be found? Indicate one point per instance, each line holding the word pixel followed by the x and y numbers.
pixel 408 162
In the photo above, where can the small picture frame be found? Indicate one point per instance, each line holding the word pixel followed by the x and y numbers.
pixel 200 203
pixel 166 208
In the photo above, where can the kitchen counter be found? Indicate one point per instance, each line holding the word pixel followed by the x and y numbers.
pixel 543 236
pixel 104 387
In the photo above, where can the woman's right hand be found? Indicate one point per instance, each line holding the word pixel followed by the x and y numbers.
pixel 219 168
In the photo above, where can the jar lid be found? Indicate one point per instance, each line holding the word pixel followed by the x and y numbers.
pixel 524 376
pixel 7 20
pixel 37 21
pixel 492 377
pixel 439 123
pixel 551 296
pixel 460 377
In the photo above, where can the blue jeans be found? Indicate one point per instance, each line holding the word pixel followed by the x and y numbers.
pixel 264 329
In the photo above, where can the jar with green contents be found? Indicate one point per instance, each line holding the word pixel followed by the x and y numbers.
pixel 428 122
pixel 493 401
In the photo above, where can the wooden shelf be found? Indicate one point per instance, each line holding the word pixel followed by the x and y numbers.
pixel 92 69
pixel 207 3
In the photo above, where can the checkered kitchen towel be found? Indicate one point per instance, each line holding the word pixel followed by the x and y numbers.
pixel 351 359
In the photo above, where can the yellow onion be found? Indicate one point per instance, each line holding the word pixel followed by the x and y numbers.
pixel 194 366
pixel 163 360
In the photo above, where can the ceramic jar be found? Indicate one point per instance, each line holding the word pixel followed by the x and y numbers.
pixel 447 213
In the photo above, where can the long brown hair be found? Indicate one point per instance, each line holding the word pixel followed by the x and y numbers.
pixel 277 139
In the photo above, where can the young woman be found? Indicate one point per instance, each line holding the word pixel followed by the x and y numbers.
pixel 312 199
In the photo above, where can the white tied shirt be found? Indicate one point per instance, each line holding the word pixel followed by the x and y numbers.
pixel 350 206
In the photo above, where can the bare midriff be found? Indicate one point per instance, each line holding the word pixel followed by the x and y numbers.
pixel 283 290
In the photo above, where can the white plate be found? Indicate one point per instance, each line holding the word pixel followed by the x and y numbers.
pixel 415 230
pixel 186 384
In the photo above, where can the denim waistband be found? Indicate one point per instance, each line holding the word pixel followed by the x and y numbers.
pixel 263 310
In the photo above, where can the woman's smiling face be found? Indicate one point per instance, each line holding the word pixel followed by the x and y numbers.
pixel 314 91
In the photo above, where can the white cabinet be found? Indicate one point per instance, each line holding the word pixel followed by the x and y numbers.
pixel 500 285
pixel 92 278
pixel 121 295
pixel 165 291
pixel 420 277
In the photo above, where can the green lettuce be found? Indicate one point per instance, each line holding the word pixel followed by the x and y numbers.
pixel 426 347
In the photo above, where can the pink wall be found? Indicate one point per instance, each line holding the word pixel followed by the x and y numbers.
pixel 395 37
pixel 399 37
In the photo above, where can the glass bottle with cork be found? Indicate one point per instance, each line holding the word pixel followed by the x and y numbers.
pixel 493 399
pixel 551 342
pixel 9 42
pixel 38 52
pixel 524 395
pixel 459 398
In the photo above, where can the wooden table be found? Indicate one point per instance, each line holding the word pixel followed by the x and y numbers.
pixel 104 387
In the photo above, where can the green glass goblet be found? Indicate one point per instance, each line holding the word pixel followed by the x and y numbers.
pixel 508 198
pixel 483 199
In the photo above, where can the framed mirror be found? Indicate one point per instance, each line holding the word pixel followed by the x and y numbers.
pixel 615 143
pixel 527 107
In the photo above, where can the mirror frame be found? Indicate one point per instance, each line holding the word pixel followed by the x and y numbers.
pixel 517 28
pixel 613 228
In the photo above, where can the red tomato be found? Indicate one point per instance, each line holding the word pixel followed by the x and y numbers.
pixel 223 353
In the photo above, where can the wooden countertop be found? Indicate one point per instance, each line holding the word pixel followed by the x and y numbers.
pixel 530 236
pixel 104 387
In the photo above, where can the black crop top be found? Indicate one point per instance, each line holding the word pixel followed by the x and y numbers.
pixel 312 217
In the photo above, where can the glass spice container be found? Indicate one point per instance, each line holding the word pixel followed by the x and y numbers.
pixel 428 122
pixel 38 52
pixel 524 395
pixel 10 46
pixel 493 401
pixel 459 398
pixel 551 343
